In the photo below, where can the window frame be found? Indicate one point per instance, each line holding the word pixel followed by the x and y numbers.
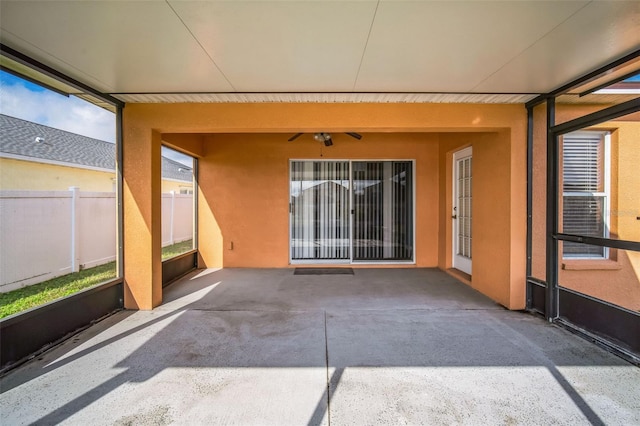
pixel 605 139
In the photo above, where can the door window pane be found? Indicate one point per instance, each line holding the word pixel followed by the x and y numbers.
pixel 383 210
pixel 464 207
pixel 319 210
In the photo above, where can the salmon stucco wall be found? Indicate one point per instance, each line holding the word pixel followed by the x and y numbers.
pixel 539 195
pixel 142 221
pixel 492 241
pixel 243 179
pixel 617 278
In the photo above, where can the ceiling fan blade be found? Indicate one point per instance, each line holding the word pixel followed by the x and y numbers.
pixel 294 137
pixel 354 135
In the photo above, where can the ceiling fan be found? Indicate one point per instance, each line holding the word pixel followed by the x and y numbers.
pixel 325 137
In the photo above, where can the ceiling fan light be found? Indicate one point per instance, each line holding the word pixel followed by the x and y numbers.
pixel 323 137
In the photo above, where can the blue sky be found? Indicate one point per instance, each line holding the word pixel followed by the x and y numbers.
pixel 22 99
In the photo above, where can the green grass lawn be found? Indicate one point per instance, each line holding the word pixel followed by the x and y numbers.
pixel 176 249
pixel 38 294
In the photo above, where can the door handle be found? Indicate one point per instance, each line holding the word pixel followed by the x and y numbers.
pixel 455 216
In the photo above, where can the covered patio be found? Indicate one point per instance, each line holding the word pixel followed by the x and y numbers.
pixel 268 346
pixel 469 167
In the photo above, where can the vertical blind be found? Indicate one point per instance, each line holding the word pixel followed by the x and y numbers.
pixel 383 210
pixel 584 195
pixel 319 210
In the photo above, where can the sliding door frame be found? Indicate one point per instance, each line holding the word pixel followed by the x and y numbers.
pixel 350 227
pixel 350 261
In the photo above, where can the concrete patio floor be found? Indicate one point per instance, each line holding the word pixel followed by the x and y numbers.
pixel 382 346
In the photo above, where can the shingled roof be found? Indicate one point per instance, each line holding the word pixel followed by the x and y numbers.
pixel 27 139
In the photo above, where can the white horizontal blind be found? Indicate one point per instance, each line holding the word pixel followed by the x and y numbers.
pixel 584 191
pixel 583 163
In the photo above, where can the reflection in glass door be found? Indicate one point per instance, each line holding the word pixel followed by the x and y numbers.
pixel 365 215
pixel 319 210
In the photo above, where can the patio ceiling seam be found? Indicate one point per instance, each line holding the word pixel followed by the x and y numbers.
pixel 201 46
pixel 532 44
pixel 366 44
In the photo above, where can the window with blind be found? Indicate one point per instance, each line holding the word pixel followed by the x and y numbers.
pixel 585 189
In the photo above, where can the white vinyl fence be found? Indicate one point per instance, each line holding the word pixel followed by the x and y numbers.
pixel 45 234
pixel 177 218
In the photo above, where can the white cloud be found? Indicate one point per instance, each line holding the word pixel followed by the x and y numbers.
pixel 51 109
pixel 70 114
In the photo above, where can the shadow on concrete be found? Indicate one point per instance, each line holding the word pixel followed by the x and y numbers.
pixel 265 346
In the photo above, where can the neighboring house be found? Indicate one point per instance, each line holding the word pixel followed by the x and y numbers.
pixel 37 157
pixel 61 230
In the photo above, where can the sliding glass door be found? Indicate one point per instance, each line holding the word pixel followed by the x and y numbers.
pixel 345 211
pixel 383 210
pixel 320 210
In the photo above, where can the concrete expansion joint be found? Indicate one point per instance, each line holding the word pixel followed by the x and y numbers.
pixel 326 357
pixel 247 359
pixel 301 311
pixel 346 310
pixel 399 309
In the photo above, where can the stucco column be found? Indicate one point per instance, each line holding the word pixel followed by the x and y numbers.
pixel 142 216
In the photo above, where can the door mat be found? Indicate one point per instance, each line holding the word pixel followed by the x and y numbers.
pixel 323 271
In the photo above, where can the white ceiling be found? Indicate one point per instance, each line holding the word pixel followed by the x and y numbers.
pixel 258 50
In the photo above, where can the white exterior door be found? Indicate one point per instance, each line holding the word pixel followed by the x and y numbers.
pixel 462 229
